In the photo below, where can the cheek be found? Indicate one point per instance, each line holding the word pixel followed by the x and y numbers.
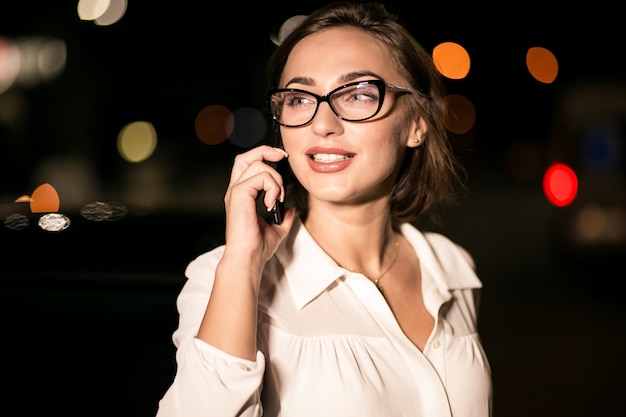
pixel 392 141
pixel 394 146
pixel 288 143
pixel 393 155
pixel 292 145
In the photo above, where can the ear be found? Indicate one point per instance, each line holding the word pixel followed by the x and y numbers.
pixel 417 133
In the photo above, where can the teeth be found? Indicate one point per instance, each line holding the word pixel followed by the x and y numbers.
pixel 329 157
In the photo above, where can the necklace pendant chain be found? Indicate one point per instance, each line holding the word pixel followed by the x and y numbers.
pixel 376 281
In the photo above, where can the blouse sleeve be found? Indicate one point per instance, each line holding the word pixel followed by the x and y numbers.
pixel 208 381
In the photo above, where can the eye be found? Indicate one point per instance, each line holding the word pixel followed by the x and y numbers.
pixel 296 99
pixel 358 94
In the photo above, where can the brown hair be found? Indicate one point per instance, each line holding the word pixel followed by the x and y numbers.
pixel 429 173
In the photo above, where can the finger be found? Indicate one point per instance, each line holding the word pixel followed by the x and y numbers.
pixel 252 157
pixel 258 177
pixel 253 181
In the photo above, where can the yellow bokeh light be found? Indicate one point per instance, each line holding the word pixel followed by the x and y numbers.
pixel 137 141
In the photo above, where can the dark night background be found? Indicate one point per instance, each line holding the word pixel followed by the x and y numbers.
pixel 87 313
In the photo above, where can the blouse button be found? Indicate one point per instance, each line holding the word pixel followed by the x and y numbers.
pixel 436 344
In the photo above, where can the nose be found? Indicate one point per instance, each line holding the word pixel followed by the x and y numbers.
pixel 325 121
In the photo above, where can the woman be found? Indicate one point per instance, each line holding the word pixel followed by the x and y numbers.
pixel 345 308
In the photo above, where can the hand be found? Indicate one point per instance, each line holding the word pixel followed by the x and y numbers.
pixel 248 235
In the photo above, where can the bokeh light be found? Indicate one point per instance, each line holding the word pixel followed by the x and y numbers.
pixel 602 149
pixel 461 114
pixel 137 141
pixel 54 222
pixel 542 64
pixel 286 28
pixel 100 210
pixel 9 63
pixel 600 224
pixel 30 61
pixel 452 60
pixel 115 11
pixel 560 184
pixel 214 124
pixel 16 221
pixel 250 127
pixel 44 199
pixel 91 9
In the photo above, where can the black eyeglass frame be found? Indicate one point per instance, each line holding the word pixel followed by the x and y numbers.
pixel 380 84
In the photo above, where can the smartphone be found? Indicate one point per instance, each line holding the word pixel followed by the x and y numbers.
pixel 282 167
pixel 279 207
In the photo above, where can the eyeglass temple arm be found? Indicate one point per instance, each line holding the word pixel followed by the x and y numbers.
pixel 397 88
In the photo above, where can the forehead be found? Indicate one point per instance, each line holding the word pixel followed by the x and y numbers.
pixel 326 55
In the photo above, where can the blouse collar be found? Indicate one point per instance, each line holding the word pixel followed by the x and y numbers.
pixel 309 270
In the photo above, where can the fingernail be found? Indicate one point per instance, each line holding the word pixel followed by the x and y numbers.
pixel 284 152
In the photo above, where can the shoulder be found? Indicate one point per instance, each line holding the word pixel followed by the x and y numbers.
pixel 443 257
pixel 443 245
pixel 202 268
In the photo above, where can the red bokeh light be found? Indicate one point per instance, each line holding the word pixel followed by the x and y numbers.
pixel 560 184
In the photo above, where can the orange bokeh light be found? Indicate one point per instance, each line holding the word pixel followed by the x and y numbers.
pixel 214 124
pixel 451 60
pixel 461 115
pixel 542 64
pixel 44 199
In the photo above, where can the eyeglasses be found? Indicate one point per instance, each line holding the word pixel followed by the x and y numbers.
pixel 353 102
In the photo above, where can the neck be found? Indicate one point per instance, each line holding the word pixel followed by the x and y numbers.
pixel 365 245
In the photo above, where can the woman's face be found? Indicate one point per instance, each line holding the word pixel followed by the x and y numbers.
pixel 339 161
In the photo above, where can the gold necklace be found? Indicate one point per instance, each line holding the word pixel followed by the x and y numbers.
pixel 376 280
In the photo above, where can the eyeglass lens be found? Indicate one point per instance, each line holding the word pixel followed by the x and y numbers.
pixel 353 102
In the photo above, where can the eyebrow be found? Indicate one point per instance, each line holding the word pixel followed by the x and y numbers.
pixel 344 78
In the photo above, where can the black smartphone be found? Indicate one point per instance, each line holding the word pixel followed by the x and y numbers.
pixel 279 207
pixel 282 167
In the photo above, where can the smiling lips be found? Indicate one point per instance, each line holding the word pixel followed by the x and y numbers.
pixel 329 160
pixel 329 157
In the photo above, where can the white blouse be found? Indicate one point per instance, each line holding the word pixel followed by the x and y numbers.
pixel 329 344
